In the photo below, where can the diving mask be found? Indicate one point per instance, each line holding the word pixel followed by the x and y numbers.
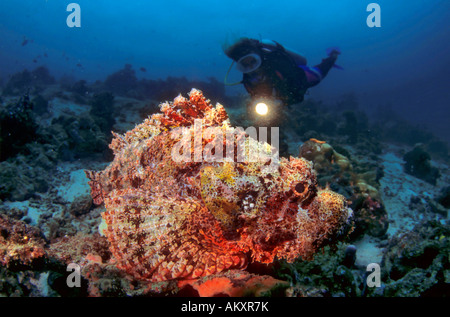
pixel 248 63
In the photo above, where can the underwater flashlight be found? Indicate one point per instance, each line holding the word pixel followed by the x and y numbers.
pixel 261 109
pixel 264 111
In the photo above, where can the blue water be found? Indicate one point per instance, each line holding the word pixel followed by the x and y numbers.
pixel 405 62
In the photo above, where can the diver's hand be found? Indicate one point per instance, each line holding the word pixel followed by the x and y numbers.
pixel 333 52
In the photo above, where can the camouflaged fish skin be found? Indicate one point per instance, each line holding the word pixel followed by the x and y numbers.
pixel 184 220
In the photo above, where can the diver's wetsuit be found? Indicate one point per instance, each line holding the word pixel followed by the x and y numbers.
pixel 281 76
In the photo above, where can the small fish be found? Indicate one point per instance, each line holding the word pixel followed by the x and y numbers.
pixel 317 141
pixel 143 69
pixel 24 42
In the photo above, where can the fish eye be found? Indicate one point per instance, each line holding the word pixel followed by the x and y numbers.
pixel 300 189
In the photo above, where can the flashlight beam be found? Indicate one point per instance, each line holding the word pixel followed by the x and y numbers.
pixel 261 109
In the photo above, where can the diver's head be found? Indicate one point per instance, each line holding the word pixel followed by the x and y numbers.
pixel 244 46
pixel 246 53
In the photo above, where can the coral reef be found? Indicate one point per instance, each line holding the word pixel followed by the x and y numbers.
pixel 169 219
pixel 122 81
pixel 48 219
pixel 40 105
pixel 25 176
pixel 33 81
pixel 343 124
pixel 324 156
pixel 20 245
pixel 102 111
pixel 17 127
pixel 444 197
pixel 390 127
pixel 417 163
pixel 330 274
pixel 74 137
pixel 32 141
pixel 414 264
pixel 370 216
pixel 417 263
pixel 336 171
pixel 79 248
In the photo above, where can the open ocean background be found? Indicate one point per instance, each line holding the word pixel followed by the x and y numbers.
pixel 405 63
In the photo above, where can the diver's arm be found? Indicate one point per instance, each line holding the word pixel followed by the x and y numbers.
pixel 326 64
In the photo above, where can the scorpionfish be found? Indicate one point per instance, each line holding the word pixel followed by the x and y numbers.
pixel 172 219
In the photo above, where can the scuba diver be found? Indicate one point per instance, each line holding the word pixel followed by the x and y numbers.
pixel 271 71
pixel 275 76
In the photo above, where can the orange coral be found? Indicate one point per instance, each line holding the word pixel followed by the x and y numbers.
pixel 168 219
pixel 234 284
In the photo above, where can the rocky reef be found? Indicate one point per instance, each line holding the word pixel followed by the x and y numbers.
pixel 360 187
pixel 17 127
pixel 272 225
pixel 20 245
pixel 417 163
